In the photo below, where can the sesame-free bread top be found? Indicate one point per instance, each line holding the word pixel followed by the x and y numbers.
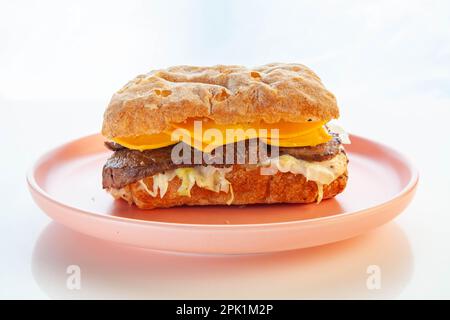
pixel 226 94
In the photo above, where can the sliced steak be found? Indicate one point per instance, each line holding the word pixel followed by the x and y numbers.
pixel 321 152
pixel 126 166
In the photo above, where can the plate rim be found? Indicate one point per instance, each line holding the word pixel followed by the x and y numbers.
pixel 33 185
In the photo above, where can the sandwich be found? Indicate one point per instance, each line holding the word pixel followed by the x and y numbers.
pixel 224 135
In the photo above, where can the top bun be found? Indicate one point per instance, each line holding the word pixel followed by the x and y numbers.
pixel 225 94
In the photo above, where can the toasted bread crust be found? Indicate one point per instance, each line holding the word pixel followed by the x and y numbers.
pixel 226 94
pixel 249 187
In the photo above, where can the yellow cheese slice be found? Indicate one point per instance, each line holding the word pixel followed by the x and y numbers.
pixel 285 129
pixel 309 139
pixel 290 135
pixel 145 142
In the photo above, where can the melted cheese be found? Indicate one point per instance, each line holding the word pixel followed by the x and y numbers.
pixel 322 173
pixel 211 135
pixel 311 138
pixel 145 142
pixel 285 129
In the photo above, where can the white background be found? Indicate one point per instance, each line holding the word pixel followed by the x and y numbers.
pixel 388 63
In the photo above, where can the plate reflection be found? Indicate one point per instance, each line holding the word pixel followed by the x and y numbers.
pixel 112 271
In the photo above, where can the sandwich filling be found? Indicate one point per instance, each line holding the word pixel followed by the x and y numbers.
pixel 126 166
pixel 322 164
pixel 181 134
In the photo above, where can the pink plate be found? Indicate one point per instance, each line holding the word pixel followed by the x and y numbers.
pixel 66 184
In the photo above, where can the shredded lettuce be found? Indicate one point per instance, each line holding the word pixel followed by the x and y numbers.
pixel 207 177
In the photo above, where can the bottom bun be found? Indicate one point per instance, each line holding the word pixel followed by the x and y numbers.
pixel 248 187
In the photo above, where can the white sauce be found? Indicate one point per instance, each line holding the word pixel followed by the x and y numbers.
pixel 213 178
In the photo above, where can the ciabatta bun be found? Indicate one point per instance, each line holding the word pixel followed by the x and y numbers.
pixel 225 94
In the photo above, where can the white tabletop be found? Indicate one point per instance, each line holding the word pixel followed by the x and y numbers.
pixel 387 63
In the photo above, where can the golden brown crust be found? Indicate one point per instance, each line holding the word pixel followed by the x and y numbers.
pixel 226 94
pixel 249 187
